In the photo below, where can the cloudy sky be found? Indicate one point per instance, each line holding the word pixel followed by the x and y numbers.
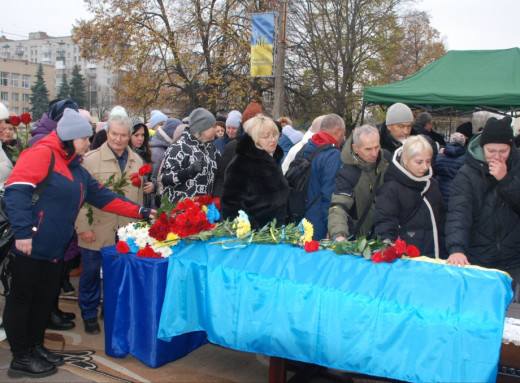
pixel 464 24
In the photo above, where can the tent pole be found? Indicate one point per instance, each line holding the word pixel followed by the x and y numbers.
pixel 363 112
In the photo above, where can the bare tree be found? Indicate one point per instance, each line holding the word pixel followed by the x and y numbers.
pixel 186 52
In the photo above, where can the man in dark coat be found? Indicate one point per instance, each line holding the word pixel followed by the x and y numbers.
pixel 483 223
pixel 323 172
pixel 424 125
pixel 362 172
pixel 397 127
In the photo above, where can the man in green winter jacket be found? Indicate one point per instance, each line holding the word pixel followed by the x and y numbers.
pixel 362 173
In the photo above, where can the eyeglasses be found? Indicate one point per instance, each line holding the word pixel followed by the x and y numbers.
pixel 272 136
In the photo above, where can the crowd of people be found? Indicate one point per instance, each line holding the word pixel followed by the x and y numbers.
pixel 457 200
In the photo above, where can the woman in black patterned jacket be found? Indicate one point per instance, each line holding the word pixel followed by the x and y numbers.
pixel 190 163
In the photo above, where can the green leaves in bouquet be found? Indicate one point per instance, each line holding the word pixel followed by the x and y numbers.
pixel 116 185
pixel 16 151
pixel 362 246
pixel 166 206
pixel 222 229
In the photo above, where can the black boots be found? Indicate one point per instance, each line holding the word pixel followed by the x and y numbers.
pixel 47 355
pixel 65 315
pixel 66 286
pixel 31 365
pixel 92 326
pixel 58 322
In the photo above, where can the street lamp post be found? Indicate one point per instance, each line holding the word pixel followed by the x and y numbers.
pixel 278 107
pixel 91 74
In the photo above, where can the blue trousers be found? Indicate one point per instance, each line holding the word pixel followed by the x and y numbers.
pixel 89 295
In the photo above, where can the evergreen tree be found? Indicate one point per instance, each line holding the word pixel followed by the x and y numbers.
pixel 64 88
pixel 78 90
pixel 39 95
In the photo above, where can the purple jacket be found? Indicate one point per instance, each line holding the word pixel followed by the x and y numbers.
pixel 42 128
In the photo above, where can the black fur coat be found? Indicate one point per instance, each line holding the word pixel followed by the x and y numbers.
pixel 254 183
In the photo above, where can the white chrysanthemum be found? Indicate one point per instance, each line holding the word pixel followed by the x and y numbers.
pixel 122 232
pixel 242 214
pixel 165 251
pixel 141 237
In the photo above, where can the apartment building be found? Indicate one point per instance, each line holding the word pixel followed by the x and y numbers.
pixel 16 79
pixel 62 54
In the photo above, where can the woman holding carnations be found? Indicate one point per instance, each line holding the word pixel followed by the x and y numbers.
pixel 139 142
pixel 254 181
pixel 409 205
pixel 190 163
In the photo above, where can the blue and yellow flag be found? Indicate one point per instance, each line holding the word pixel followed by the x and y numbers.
pixel 262 45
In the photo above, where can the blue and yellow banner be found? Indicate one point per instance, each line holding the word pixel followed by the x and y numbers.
pixel 262 45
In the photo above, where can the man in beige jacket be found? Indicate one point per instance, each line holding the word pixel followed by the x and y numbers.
pixel 114 157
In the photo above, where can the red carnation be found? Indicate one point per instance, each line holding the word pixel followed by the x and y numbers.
pixel 15 120
pixel 147 252
pixel 400 247
pixel 311 246
pixel 412 251
pixel 26 118
pixel 377 257
pixel 145 169
pixel 136 181
pixel 204 199
pixel 389 254
pixel 216 201
pixel 122 247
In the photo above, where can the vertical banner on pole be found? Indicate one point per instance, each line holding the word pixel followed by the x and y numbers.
pixel 262 45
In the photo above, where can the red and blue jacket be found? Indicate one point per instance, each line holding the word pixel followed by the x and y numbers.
pixel 50 222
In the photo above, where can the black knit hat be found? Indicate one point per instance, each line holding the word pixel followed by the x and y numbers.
pixel 57 109
pixel 497 131
pixel 466 129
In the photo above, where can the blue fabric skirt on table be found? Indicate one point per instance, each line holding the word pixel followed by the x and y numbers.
pixel 408 320
pixel 133 294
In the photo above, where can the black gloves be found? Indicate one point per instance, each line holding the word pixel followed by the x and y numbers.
pixel 195 168
pixel 192 170
pixel 145 212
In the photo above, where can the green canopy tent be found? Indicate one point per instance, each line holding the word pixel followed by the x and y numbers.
pixel 459 82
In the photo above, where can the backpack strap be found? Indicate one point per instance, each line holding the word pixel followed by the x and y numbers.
pixel 310 158
pixel 318 150
pixel 41 186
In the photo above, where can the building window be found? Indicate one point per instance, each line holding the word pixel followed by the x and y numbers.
pixel 26 110
pixel 15 80
pixel 4 79
pixel 16 110
pixel 25 81
pixel 26 97
pixel 15 96
pixel 4 96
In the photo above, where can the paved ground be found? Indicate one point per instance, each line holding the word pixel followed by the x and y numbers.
pixel 87 362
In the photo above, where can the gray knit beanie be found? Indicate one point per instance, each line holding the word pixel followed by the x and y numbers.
pixel 201 120
pixel 398 113
pixel 73 125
